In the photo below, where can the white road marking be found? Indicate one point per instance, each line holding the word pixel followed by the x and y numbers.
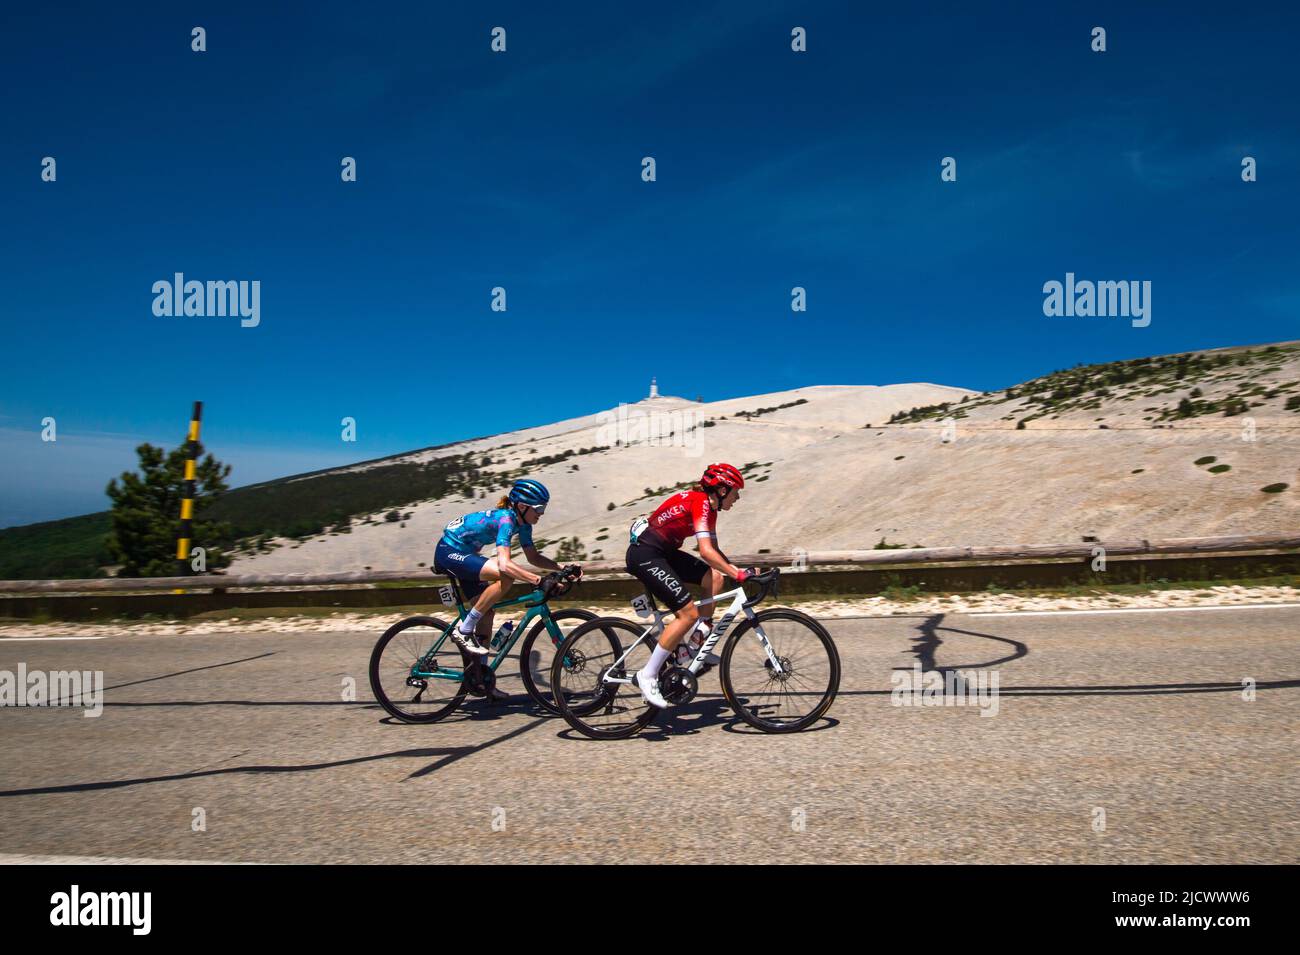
pixel 22 858
pixel 1063 613
pixel 43 639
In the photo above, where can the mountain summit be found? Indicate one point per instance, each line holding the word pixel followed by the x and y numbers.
pixel 1154 447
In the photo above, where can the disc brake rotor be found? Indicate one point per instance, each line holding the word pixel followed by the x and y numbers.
pixel 575 661
pixel 786 669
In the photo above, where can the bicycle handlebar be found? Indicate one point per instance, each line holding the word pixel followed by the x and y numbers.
pixel 568 577
pixel 767 584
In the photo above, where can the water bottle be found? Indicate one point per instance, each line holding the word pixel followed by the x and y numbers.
pixel 502 635
pixel 690 645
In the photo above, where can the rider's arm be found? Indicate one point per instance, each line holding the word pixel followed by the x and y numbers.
pixel 715 558
pixel 538 559
pixel 507 566
pixel 705 520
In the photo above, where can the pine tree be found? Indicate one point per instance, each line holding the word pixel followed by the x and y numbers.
pixel 146 511
pixel 571 549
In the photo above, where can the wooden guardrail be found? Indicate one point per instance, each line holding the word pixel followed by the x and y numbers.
pixel 1188 546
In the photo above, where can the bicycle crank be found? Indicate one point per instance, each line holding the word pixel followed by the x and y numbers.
pixel 479 679
pixel 678 685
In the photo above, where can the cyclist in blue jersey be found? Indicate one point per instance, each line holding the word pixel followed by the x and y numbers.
pixel 488 579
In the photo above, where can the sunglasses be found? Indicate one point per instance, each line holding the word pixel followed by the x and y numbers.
pixel 539 508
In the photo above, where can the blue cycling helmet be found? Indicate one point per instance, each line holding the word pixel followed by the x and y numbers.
pixel 528 491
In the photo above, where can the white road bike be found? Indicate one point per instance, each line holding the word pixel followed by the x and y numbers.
pixel 782 680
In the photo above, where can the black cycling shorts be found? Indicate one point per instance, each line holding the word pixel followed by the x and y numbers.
pixel 665 572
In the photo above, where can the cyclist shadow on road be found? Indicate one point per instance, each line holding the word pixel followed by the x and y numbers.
pixel 701 713
pixel 928 641
pixel 479 709
pixel 705 712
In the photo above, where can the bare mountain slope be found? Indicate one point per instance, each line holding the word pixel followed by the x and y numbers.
pixel 1158 447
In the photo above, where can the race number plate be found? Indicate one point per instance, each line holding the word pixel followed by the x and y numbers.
pixel 447 596
pixel 641 604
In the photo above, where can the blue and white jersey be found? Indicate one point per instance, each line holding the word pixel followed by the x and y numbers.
pixel 468 534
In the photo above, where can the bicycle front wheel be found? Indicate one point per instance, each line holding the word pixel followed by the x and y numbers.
pixel 590 678
pixel 537 654
pixel 804 689
pixel 409 680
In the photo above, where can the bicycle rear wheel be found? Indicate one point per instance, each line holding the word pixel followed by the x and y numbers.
pixel 537 655
pixel 805 689
pixel 592 706
pixel 403 651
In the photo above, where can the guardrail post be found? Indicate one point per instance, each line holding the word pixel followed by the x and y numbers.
pixel 187 502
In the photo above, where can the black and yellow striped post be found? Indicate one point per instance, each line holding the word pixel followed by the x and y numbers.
pixel 187 502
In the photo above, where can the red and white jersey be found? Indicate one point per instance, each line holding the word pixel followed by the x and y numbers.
pixel 687 514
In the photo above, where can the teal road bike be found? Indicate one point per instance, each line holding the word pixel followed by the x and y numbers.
pixel 419 675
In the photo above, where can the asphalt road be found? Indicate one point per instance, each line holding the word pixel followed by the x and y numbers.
pixel 1118 737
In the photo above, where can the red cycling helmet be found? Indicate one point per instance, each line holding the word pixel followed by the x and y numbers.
pixel 721 475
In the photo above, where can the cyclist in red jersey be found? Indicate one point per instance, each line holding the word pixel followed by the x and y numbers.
pixel 656 559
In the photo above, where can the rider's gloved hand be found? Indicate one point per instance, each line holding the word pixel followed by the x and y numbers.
pixel 552 583
pixel 744 574
pixel 573 570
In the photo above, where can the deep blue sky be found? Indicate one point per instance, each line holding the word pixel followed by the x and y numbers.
pixel 522 170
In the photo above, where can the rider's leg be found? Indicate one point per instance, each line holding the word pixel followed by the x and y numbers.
pixel 664 576
pixel 479 619
pixel 712 584
pixel 668 640
pixel 680 626
pixel 494 593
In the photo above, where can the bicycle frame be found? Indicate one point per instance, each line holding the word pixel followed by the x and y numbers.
pixel 456 674
pixel 739 605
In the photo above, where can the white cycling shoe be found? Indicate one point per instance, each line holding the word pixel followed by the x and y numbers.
pixel 468 642
pixel 649 687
